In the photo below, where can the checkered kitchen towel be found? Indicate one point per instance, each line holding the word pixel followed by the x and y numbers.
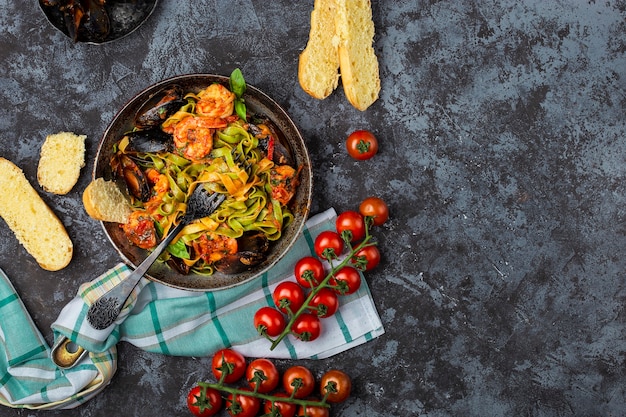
pixel 164 320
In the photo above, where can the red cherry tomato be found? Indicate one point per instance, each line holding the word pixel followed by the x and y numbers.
pixel 242 405
pixel 313 410
pixel 228 362
pixel 288 297
pixel 367 258
pixel 325 303
pixel 347 280
pixel 307 327
pixel 309 272
pixel 284 408
pixel 336 385
pixel 299 379
pixel 262 372
pixel 353 222
pixel 204 404
pixel 269 321
pixel 361 145
pixel 328 245
pixel 376 208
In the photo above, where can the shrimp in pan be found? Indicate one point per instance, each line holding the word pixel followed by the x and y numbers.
pixel 215 101
pixel 193 135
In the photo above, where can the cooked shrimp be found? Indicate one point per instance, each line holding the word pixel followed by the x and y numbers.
pixel 215 101
pixel 159 181
pixel 193 136
pixel 283 182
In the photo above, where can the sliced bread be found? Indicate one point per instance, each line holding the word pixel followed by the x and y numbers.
pixel 62 156
pixel 34 224
pixel 357 59
pixel 104 201
pixel 318 65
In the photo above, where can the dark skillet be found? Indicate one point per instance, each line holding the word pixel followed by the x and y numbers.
pixel 257 102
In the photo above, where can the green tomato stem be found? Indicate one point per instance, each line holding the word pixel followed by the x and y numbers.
pixel 273 398
pixel 324 284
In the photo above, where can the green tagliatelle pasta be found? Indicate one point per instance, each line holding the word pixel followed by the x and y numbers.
pixel 246 181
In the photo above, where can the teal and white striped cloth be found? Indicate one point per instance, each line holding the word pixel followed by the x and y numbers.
pixel 164 320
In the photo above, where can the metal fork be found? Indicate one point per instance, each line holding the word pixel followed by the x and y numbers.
pixel 105 310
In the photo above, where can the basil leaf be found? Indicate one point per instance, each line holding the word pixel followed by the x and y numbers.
pixel 237 83
pixel 240 108
pixel 179 249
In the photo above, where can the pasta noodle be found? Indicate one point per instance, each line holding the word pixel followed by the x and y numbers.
pixel 251 182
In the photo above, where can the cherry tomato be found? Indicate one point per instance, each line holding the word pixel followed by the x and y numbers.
pixel 309 271
pixel 361 145
pixel 262 372
pixel 336 385
pixel 307 327
pixel 228 362
pixel 299 379
pixel 325 303
pixel 269 321
pixel 353 222
pixel 347 280
pixel 376 208
pixel 313 410
pixel 288 297
pixel 242 405
pixel 367 258
pixel 204 404
pixel 328 245
pixel 284 408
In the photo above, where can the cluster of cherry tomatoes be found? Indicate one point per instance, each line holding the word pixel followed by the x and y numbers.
pixel 299 306
pixel 262 392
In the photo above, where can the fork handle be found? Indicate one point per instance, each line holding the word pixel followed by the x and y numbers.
pixel 143 267
pixel 105 310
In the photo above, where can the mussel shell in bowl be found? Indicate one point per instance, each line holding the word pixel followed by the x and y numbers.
pixel 258 103
pixel 121 17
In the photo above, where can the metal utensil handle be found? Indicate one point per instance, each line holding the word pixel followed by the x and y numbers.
pixel 106 309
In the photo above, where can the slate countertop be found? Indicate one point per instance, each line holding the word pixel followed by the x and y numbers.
pixel 502 159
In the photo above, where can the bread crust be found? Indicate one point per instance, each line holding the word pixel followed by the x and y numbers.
pixel 105 202
pixel 34 224
pixel 318 64
pixel 340 45
pixel 358 62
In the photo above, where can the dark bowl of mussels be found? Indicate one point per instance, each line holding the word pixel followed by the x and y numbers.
pixel 173 136
pixel 97 21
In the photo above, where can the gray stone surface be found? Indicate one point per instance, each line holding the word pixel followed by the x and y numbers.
pixel 502 159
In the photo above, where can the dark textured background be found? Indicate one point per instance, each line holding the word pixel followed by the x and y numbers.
pixel 502 159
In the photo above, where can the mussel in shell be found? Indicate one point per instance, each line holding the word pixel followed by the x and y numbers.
pixel 159 107
pixel 252 249
pixel 153 140
pixel 85 20
pixel 276 140
pixel 128 173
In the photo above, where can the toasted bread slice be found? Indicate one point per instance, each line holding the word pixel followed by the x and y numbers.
pixel 34 224
pixel 357 59
pixel 104 201
pixel 318 65
pixel 62 156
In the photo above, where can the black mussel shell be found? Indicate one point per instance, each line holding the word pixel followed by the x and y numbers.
pixel 252 250
pixel 178 265
pixel 281 153
pixel 152 140
pixel 159 107
pixel 97 25
pixel 132 176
